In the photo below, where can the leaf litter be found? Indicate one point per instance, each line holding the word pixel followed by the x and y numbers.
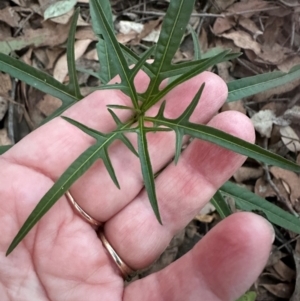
pixel 268 35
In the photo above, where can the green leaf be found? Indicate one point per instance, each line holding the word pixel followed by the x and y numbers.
pixel 120 107
pixel 185 116
pixel 223 139
pixel 173 28
pixel 118 59
pixel 76 169
pixel 4 148
pixel 106 8
pixel 90 72
pixel 249 296
pixel 57 113
pixel 141 62
pixel 248 86
pixel 37 79
pixel 197 50
pixel 73 84
pixel 249 201
pixel 59 8
pixel 72 173
pixel 220 204
pixel 106 68
pixel 197 69
pixel 134 58
pixel 146 167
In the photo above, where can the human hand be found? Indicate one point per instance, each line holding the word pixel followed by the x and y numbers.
pixel 62 259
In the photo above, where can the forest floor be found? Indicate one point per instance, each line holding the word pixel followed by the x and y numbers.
pixel 268 35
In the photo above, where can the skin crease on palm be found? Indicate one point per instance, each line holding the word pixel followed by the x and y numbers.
pixel 62 259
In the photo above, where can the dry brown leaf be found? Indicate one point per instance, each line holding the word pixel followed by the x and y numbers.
pixel 281 290
pixel 65 18
pixel 222 24
pixel 26 57
pixel 84 33
pixel 4 140
pixel 234 106
pixel 128 27
pixel 263 122
pixel 149 27
pixel 263 96
pixel 250 6
pixel 296 294
pixel 53 55
pixel 203 40
pixel 290 139
pixel 291 179
pixel 203 218
pixel 41 55
pixel 264 189
pixel 247 173
pixel 61 68
pixel 275 256
pixel 5 32
pixel 3 107
pixel 243 40
pixel 223 4
pixel 5 84
pixel 272 30
pixel 292 115
pixel 250 26
pixel 92 55
pixel 285 272
pixel 223 71
pixel 50 35
pixel 125 38
pixel 274 54
pixel 289 63
pixel 48 104
pixel 9 16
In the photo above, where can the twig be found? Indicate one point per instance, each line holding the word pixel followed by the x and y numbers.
pixel 208 14
pixel 293 34
pixel 288 242
pixel 274 187
pixel 23 23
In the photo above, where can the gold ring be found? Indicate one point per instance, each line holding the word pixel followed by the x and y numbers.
pixel 126 271
pixel 81 212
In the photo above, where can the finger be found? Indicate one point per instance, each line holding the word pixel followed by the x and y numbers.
pixel 182 191
pixel 53 147
pixel 222 266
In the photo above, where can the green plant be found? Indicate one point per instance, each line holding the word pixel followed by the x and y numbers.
pixel 115 60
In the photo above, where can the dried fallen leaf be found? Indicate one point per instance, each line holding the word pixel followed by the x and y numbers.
pixel 285 272
pixel 290 139
pixel 243 40
pixel 3 107
pixel 4 140
pixel 128 27
pixel 222 24
pixel 281 290
pixel 247 173
pixel 61 68
pixel 291 179
pixel 59 8
pixel 48 104
pixel 9 16
pixel 263 122
pixel 250 26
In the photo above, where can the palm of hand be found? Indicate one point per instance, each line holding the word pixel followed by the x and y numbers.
pixel 63 259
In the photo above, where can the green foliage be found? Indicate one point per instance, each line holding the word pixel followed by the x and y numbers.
pixel 115 59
